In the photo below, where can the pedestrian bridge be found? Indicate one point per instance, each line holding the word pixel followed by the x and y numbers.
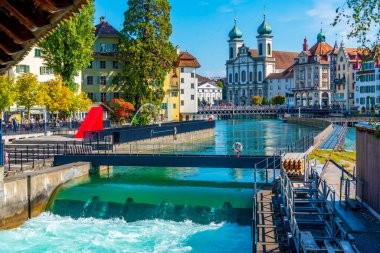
pixel 172 160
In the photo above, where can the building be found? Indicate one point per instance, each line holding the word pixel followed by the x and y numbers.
pixel 209 93
pixel 188 85
pixel 346 61
pixel 97 78
pixel 33 63
pixel 247 69
pixel 367 86
pixel 312 77
pixel 180 87
pixel 281 84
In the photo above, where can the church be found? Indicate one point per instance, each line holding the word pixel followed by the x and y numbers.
pixel 247 69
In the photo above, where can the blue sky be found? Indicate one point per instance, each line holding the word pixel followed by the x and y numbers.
pixel 201 26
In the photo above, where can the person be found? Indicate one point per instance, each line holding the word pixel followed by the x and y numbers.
pixel 15 124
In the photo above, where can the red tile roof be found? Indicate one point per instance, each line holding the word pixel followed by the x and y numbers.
pixel 283 59
pixel 185 59
pixel 202 79
pixel 321 48
pixel 287 73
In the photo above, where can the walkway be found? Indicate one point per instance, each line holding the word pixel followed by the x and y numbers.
pixel 265 225
pixel 332 140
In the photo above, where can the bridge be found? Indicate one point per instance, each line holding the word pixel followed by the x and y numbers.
pixel 264 110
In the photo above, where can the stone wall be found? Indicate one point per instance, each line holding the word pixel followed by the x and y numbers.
pixel 321 123
pixel 26 195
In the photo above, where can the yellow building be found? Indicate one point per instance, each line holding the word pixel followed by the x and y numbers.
pixel 97 78
pixel 170 104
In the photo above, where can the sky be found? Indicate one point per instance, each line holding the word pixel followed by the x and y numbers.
pixel 201 27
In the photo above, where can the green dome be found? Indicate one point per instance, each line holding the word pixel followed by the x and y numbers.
pixel 235 33
pixel 264 28
pixel 321 37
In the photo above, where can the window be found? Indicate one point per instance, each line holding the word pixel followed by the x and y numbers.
pixel 182 70
pixel 46 71
pixel 102 64
pixel 114 48
pixel 115 64
pixel 103 96
pixel 192 75
pixel 102 80
pixel 182 102
pixel 250 77
pixel 174 106
pixel 192 97
pixel 182 80
pixel 260 76
pixel 231 53
pixel 230 78
pixel 260 49
pixel 268 49
pixel 243 76
pixel 22 69
pixel 116 95
pixel 102 47
pixel 90 95
pixel 90 80
pixel 37 52
pixel 344 66
pixel 192 86
pixel 182 91
pixel 174 94
pixel 90 66
pixel 236 77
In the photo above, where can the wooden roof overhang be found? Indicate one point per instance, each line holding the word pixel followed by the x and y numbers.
pixel 23 23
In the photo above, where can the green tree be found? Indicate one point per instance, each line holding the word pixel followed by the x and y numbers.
pixel 68 49
pixel 7 93
pixel 145 48
pixel 80 103
pixel 220 84
pixel 363 17
pixel 29 91
pixel 265 101
pixel 256 100
pixel 278 100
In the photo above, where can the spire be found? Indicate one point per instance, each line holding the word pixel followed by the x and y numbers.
pixel 264 28
pixel 342 42
pixel 235 33
pixel 321 37
pixel 305 44
pixel 336 41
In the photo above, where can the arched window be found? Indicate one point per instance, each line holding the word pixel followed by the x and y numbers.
pixel 260 49
pixel 231 53
pixel 341 59
pixel 230 78
pixel 243 76
pixel 250 77
pixel 268 49
pixel 236 77
pixel 260 76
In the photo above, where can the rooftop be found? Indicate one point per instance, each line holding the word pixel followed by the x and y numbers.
pixel 186 59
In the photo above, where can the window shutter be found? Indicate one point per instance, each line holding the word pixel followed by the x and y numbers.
pixel 18 69
pixel 98 80
pixel 26 68
pixel 41 70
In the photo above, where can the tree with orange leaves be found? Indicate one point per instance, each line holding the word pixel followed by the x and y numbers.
pixel 121 110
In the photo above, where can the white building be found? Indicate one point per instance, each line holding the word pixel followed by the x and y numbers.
pixel 188 85
pixel 282 84
pixel 33 63
pixel 209 93
pixel 247 69
pixel 367 86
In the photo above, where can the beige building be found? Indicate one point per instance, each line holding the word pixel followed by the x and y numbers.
pixel 344 83
pixel 97 78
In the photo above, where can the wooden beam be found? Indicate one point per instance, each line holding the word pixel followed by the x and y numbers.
pixel 14 29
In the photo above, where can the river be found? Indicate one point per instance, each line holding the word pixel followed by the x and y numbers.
pixel 141 209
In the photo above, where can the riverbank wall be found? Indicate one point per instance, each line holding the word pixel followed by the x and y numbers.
pixel 26 195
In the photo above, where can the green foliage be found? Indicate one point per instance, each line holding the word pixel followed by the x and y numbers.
pixel 145 48
pixel 69 48
pixel 145 117
pixel 278 100
pixel 256 100
pixel 120 110
pixel 363 17
pixel 220 84
pixel 265 101
pixel 7 92
pixel 377 131
pixel 340 157
pixel 29 91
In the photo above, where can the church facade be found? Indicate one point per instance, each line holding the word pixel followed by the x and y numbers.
pixel 247 69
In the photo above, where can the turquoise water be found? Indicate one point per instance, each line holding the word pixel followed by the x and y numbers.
pixel 151 209
pixel 350 139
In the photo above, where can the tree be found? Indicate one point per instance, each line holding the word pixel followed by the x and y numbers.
pixel 7 93
pixel 220 84
pixel 363 17
pixel 256 100
pixel 145 49
pixel 69 48
pixel 53 92
pixel 29 91
pixel 265 101
pixel 278 100
pixel 80 103
pixel 120 110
